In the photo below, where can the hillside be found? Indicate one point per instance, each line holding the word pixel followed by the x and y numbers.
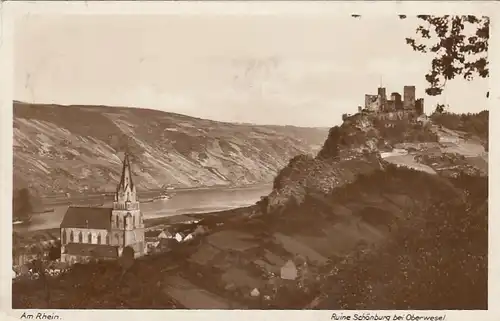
pixel 71 148
pixel 387 216
pixel 378 243
pixel 364 143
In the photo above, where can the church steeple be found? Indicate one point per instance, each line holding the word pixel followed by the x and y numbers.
pixel 127 223
pixel 126 179
pixel 126 191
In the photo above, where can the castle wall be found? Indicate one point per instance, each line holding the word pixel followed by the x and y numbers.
pixel 390 106
pixel 382 93
pixel 373 103
pixel 398 103
pixel 382 96
pixel 409 97
pixel 419 106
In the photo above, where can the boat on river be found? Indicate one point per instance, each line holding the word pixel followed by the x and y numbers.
pixel 163 197
pixel 24 221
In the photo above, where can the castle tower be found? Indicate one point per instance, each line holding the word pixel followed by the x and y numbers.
pixel 127 223
pixel 383 98
pixel 409 97
pixel 396 97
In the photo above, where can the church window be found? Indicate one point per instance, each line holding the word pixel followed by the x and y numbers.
pixel 71 237
pixel 64 237
pixel 98 238
pixel 127 220
pixel 80 237
pixel 107 238
pixel 89 238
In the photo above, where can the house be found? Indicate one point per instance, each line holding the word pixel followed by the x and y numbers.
pixel 165 235
pixel 289 271
pixel 189 237
pixel 165 244
pixel 102 233
pixel 179 236
pixel 23 257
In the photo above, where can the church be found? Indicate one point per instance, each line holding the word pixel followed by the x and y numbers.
pixel 102 233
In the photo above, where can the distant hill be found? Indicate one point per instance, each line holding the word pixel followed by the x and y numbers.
pixel 60 149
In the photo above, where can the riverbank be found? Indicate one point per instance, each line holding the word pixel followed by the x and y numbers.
pixel 198 201
pixel 26 238
pixel 59 199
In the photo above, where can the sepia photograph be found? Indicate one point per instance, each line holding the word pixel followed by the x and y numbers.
pixel 250 162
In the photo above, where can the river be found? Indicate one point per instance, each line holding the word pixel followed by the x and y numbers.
pixel 191 201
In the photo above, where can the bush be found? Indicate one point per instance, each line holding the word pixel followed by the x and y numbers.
pixel 435 259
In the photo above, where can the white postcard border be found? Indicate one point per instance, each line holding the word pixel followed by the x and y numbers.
pixel 9 10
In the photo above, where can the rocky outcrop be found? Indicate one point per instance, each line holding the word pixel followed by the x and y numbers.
pixel 364 143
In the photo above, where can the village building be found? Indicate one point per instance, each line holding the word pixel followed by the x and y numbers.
pixel 179 236
pixel 189 237
pixel 102 233
pixel 289 271
pixel 255 292
pixel 165 235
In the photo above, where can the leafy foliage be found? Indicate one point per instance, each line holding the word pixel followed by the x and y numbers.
pixel 22 205
pixel 457 51
pixel 435 256
pixel 96 285
pixel 127 258
pixel 55 251
pixel 472 123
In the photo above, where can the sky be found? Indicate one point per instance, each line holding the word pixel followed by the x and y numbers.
pixel 283 70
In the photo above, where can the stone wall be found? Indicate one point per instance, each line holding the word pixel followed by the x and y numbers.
pixel 409 97
pixel 373 103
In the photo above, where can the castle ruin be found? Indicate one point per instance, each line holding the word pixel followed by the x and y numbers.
pixel 380 103
pixel 396 106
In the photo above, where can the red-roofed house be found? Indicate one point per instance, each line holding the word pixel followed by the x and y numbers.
pixel 102 233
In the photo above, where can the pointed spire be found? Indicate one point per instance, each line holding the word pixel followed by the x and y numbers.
pixel 126 179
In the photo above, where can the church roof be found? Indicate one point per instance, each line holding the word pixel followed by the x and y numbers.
pixel 98 218
pixel 93 250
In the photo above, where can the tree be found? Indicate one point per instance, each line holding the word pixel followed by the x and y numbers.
pixel 459 45
pixel 457 51
pixel 39 267
pixel 439 109
pixel 55 251
pixel 22 204
pixel 127 259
